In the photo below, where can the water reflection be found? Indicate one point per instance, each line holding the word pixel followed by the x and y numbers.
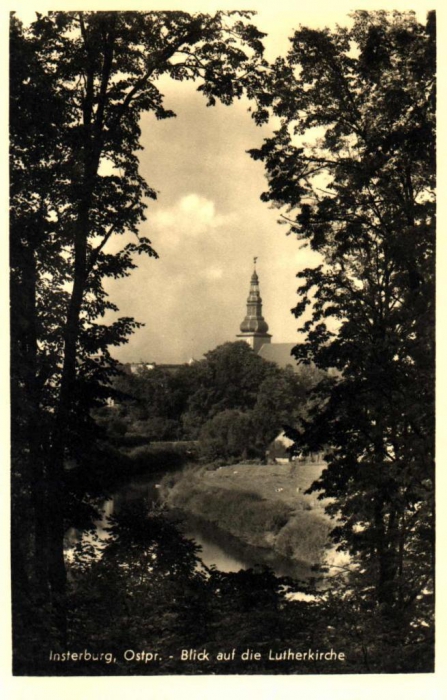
pixel 227 553
pixel 218 548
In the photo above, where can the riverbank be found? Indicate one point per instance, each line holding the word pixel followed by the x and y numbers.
pixel 262 505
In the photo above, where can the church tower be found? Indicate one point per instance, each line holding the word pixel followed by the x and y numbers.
pixel 253 327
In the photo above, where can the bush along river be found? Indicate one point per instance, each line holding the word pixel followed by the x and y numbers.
pixel 228 553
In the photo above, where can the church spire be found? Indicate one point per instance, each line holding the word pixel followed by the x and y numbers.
pixel 254 329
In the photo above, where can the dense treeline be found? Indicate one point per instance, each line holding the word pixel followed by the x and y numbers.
pixel 232 402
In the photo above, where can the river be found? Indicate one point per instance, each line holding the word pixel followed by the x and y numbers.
pixel 218 548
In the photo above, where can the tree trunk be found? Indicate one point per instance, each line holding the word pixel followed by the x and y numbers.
pixel 29 522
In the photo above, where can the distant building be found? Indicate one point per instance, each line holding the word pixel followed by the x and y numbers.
pixel 278 452
pixel 135 367
pixel 254 330
pixel 280 353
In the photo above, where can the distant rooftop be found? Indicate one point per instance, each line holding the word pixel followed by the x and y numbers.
pixel 136 367
pixel 279 353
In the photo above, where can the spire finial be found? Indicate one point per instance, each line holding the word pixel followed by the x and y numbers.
pixel 254 262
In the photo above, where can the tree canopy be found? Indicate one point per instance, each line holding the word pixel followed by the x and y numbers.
pixel 207 399
pixel 79 84
pixel 352 164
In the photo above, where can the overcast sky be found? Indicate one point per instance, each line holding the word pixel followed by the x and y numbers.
pixel 207 225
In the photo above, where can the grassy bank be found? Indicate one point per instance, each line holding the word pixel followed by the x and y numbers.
pixel 263 505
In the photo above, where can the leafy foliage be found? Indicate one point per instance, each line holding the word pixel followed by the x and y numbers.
pixel 226 436
pixel 233 401
pixel 79 84
pixel 147 590
pixel 353 163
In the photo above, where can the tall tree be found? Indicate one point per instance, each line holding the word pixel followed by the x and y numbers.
pixel 79 83
pixel 230 379
pixel 353 166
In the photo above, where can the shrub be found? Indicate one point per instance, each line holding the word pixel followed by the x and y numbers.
pixel 227 436
pixel 163 455
pixel 304 537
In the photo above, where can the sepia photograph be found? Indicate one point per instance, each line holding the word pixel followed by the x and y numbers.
pixel 222 248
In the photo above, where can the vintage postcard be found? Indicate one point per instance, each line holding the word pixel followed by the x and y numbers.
pixel 222 342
